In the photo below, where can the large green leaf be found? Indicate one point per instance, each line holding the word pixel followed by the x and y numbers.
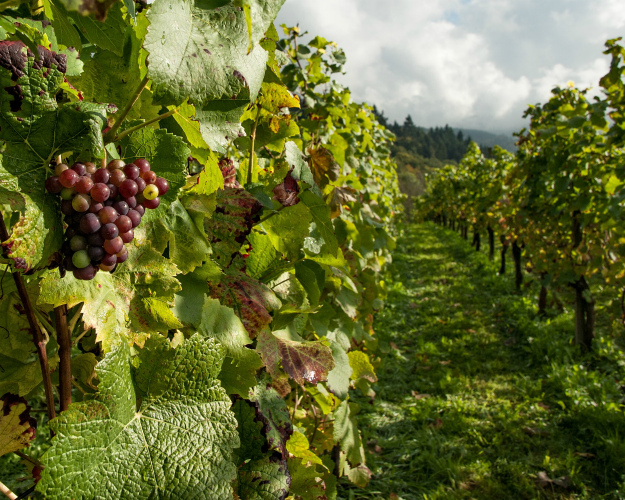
pixel 35 129
pixel 109 33
pixel 199 49
pixel 175 442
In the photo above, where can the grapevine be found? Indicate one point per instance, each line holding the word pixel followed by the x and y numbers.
pixel 198 228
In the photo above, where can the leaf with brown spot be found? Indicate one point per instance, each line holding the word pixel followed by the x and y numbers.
pixel 285 193
pixel 17 427
pixel 251 300
pixel 304 361
pixel 323 165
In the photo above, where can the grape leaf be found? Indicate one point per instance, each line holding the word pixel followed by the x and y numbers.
pixel 262 255
pixel 320 213
pixel 299 447
pixel 323 165
pixel 339 376
pixel 17 427
pixel 63 28
pixel 177 444
pixel 288 228
pixel 35 129
pixel 20 371
pixel 109 33
pixel 261 475
pixel 124 306
pixel 346 433
pixel 112 77
pixel 200 52
pixel 304 361
pixel 361 366
pixel 220 322
pixel 251 300
pixel 273 412
pixel 236 213
pixel 307 482
pixel 220 122
pixel 188 246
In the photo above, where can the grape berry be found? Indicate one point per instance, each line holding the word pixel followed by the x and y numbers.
pixel 101 208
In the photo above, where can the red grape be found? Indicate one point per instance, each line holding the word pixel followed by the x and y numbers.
pixel 135 217
pixel 114 246
pixel 114 190
pixel 68 178
pixel 128 236
pixel 149 177
pixel 123 223
pixel 109 259
pixel 108 232
pixel 79 168
pixel 140 184
pixel 66 207
pixel 143 164
pixel 86 273
pixel 91 168
pixel 128 188
pixel 117 177
pixel 152 204
pixel 108 214
pixel 96 253
pixel 162 185
pixel 104 267
pixel 101 175
pixel 131 171
pixel 95 240
pixel 53 185
pixel 115 164
pixel 89 223
pixel 122 255
pixel 84 185
pixel 95 207
pixel 140 210
pixel 121 207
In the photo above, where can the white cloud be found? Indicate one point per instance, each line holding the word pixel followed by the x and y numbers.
pixel 470 63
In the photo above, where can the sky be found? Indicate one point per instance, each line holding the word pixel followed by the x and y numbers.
pixel 468 63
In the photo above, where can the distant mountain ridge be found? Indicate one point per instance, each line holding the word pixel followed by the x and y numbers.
pixel 488 140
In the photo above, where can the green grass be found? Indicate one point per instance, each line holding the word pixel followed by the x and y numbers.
pixel 477 396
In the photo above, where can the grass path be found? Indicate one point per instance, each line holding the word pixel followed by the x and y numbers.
pixel 478 398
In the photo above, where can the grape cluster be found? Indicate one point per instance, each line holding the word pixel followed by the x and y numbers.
pixel 101 207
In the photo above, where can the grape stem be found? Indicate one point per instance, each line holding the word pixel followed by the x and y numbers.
pixel 253 139
pixel 141 125
pixel 35 329
pixel 65 356
pixel 133 99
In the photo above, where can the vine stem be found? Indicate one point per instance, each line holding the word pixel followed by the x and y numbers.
pixel 65 356
pixel 126 110
pixel 253 138
pixel 144 124
pixel 7 492
pixel 38 338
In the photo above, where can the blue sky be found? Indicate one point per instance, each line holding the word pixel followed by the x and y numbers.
pixel 468 63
